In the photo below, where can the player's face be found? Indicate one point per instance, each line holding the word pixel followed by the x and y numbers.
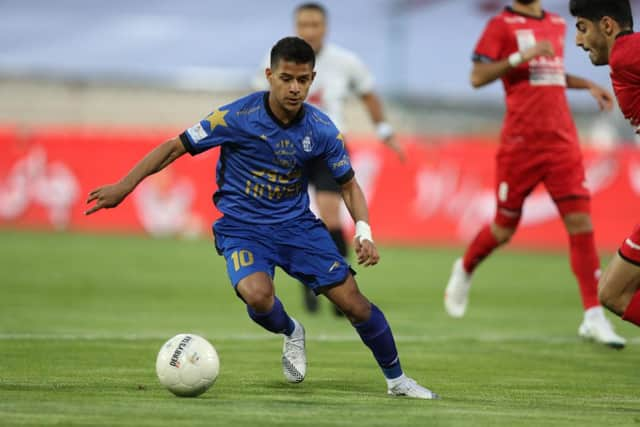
pixel 590 37
pixel 290 83
pixel 311 26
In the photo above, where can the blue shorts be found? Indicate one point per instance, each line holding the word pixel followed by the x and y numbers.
pixel 303 248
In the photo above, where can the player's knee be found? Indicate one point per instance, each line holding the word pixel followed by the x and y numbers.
pixel 259 298
pixel 502 234
pixel 577 223
pixel 259 302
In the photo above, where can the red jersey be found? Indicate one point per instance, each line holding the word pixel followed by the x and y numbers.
pixel 625 74
pixel 537 107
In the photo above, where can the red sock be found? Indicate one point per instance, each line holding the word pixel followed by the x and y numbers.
pixel 585 265
pixel 480 248
pixel 632 313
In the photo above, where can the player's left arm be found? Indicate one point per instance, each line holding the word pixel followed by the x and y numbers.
pixel 356 203
pixel 601 95
pixel 362 82
pixel 385 131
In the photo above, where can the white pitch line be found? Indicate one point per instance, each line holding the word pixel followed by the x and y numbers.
pixel 483 338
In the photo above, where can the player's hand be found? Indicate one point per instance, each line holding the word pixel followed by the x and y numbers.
pixel 542 48
pixel 602 96
pixel 367 252
pixel 106 197
pixel 393 143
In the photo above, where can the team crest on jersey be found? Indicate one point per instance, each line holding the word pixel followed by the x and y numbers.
pixel 307 145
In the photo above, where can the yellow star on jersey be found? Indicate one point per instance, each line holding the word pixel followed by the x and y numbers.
pixel 340 138
pixel 217 118
pixel 263 137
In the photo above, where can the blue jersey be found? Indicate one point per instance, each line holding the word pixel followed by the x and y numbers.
pixel 261 172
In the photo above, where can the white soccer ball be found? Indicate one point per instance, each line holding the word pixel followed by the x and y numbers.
pixel 187 365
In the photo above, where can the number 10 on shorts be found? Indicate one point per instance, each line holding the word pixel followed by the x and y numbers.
pixel 241 258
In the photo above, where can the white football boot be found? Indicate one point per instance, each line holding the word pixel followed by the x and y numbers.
pixel 597 327
pixel 405 386
pixel 294 355
pixel 456 295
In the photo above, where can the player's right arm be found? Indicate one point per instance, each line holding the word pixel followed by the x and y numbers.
pixel 492 57
pixel 339 163
pixel 211 132
pixel 356 204
pixel 486 71
pixel 110 196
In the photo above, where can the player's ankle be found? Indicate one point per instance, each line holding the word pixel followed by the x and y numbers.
pixel 392 382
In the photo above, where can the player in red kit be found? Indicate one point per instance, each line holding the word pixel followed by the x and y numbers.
pixel 524 47
pixel 605 30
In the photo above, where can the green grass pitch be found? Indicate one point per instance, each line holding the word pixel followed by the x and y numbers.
pixel 83 316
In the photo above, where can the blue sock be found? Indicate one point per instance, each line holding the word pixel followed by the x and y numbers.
pixel 276 320
pixel 376 334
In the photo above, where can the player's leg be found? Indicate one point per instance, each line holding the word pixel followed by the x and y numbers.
pixel 374 330
pixel 309 255
pixel 585 265
pixel 263 306
pixel 250 266
pixel 619 287
pixel 266 310
pixel 516 175
pixel 328 201
pixel 565 183
pixel 584 259
pixel 489 238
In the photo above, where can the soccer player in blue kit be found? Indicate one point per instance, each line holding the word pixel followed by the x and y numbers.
pixel 266 140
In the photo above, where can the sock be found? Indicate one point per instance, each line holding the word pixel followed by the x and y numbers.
pixel 338 238
pixel 275 320
pixel 480 248
pixel 586 267
pixel 376 334
pixel 632 312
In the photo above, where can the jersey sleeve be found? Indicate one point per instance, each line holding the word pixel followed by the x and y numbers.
pixel 490 46
pixel 361 79
pixel 212 131
pixel 337 158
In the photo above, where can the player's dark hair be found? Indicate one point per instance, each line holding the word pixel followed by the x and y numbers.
pixel 312 6
pixel 292 49
pixel 595 10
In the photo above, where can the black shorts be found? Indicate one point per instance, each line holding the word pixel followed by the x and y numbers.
pixel 320 176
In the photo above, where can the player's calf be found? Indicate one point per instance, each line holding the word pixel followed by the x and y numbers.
pixel 618 284
pixel 348 299
pixel 357 310
pixel 502 234
pixel 611 298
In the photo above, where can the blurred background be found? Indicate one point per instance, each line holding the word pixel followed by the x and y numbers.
pixel 88 87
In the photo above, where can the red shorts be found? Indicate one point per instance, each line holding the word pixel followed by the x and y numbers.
pixel 519 170
pixel 630 248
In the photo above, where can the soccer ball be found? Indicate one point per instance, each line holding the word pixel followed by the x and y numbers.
pixel 187 365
